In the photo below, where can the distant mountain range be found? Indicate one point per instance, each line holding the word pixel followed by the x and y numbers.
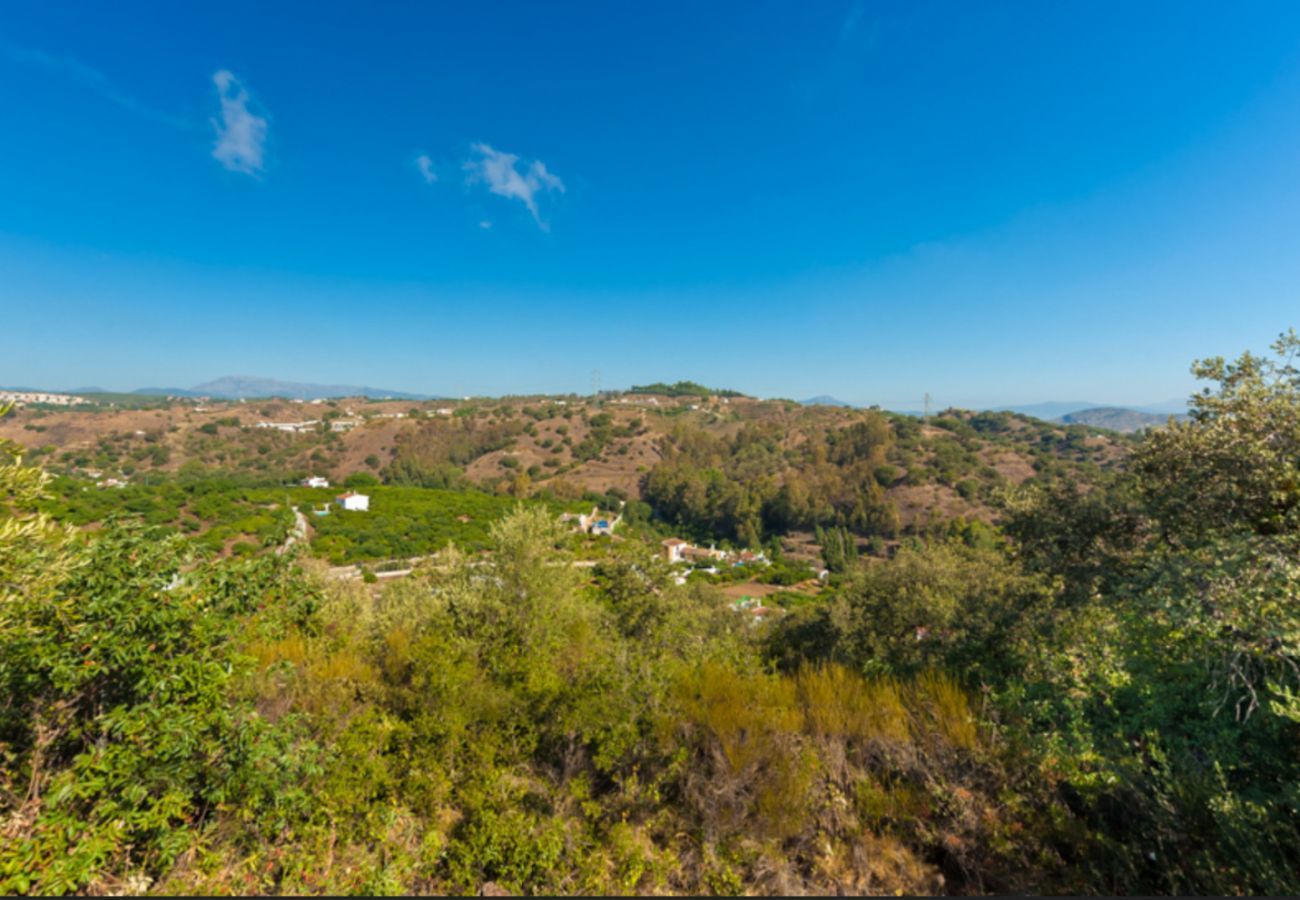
pixel 240 387
pixel 1068 412
pixel 247 387
pixel 1116 418
pixel 1056 409
pixel 1051 409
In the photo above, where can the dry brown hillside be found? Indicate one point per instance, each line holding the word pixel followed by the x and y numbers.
pixel 947 467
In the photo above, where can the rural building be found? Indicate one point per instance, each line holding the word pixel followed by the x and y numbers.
pixel 674 549
pixel 316 481
pixel 594 522
pixel 701 554
pixel 291 427
pixel 354 501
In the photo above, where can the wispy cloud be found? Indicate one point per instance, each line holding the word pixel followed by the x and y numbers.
pixel 241 134
pixel 93 79
pixel 839 71
pixel 851 22
pixel 497 170
pixel 425 165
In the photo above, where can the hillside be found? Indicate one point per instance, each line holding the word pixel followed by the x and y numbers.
pixel 951 467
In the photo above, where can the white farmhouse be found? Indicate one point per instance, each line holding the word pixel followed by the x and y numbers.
pixel 353 501
pixel 316 481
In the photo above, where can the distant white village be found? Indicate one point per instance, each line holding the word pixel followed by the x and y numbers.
pixel 339 425
pixel 22 398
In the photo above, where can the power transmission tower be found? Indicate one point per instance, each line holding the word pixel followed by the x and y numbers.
pixel 595 383
pixel 927 406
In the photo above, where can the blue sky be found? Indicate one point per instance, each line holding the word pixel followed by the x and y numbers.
pixel 995 203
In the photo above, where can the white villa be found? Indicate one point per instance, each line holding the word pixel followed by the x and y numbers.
pixel 315 481
pixel 353 501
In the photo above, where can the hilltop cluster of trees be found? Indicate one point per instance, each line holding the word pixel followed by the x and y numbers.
pixel 1104 696
pixel 682 389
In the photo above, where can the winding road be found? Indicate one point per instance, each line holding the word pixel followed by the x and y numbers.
pixel 298 535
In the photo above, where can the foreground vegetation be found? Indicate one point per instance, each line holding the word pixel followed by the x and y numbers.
pixel 1101 696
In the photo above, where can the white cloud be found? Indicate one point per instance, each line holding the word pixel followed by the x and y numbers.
pixel 241 135
pixel 425 165
pixel 497 170
pixel 485 225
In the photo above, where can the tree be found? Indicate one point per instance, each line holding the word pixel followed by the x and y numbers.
pixel 118 740
pixel 1235 464
pixel 1183 672
pixel 965 609
pixel 839 548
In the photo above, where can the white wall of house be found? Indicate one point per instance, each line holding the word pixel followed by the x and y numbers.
pixel 355 502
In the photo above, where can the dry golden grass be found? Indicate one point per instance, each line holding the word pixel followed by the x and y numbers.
pixel 839 703
pixel 941 705
pixel 842 704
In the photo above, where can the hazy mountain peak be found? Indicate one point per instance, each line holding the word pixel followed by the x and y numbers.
pixel 824 400
pixel 245 386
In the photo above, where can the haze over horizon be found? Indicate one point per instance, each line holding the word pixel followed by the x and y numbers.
pixel 867 201
pixel 1047 409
